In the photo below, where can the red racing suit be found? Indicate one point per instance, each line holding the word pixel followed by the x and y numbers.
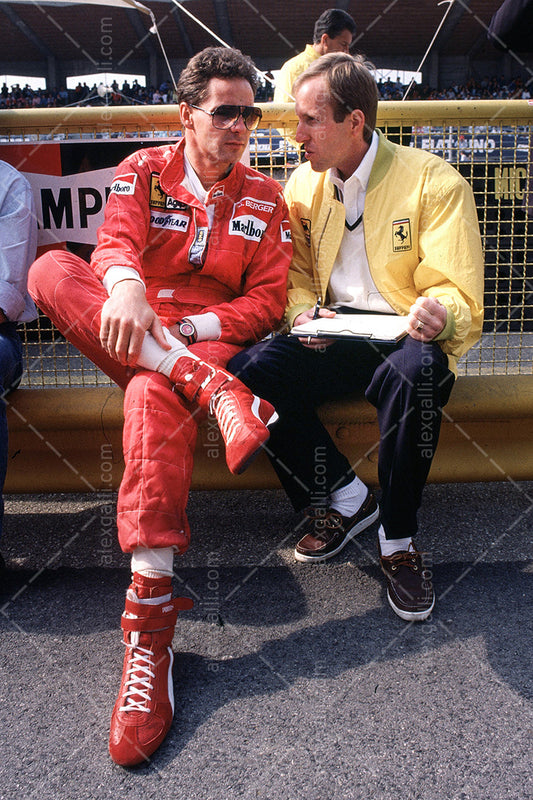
pixel 236 268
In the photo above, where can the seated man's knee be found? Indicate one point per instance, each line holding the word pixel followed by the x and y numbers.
pixel 46 272
pixel 416 366
pixel 270 368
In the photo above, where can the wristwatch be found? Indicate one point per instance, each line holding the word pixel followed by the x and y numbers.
pixel 187 330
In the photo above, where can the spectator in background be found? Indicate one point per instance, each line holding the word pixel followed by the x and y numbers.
pixel 18 241
pixel 333 33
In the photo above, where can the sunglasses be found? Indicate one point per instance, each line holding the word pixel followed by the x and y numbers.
pixel 224 117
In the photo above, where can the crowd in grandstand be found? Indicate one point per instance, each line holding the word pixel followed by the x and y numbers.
pixel 485 89
pixel 26 97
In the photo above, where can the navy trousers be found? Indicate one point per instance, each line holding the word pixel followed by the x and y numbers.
pixel 408 383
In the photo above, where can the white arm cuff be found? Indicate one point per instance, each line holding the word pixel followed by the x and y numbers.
pixel 208 327
pixel 116 274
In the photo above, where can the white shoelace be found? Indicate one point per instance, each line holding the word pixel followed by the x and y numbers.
pixel 140 662
pixel 223 407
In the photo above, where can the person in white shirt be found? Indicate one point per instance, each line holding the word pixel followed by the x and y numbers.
pixel 18 242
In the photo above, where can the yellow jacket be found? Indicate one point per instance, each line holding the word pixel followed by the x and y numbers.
pixel 421 238
pixel 290 71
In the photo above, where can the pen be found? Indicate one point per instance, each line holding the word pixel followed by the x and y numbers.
pixel 317 308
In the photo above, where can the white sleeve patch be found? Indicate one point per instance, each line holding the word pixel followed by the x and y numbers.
pixel 125 184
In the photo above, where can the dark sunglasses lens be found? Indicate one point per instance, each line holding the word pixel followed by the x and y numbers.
pixel 251 116
pixel 226 116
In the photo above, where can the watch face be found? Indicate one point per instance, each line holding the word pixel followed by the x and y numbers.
pixel 187 329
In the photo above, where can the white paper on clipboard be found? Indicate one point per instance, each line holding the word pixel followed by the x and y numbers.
pixel 380 327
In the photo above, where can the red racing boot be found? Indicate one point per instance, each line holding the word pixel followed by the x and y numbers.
pixel 242 417
pixel 143 713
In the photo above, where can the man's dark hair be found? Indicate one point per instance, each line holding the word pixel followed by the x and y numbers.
pixel 333 21
pixel 213 62
pixel 350 85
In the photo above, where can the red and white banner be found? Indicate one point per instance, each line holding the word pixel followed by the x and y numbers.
pixel 71 182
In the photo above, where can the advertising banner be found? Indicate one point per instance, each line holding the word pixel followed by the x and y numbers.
pixel 71 183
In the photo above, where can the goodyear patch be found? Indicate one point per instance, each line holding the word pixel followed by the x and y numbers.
pixel 401 235
pixel 172 222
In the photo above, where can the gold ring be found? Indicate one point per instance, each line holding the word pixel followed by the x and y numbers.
pixel 420 325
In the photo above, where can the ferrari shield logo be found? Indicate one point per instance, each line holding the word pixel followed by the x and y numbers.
pixel 306 225
pixel 401 235
pixel 157 195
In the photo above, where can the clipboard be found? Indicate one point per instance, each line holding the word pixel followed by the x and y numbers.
pixel 383 328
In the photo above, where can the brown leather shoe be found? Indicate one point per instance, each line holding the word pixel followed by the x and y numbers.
pixel 409 588
pixel 327 531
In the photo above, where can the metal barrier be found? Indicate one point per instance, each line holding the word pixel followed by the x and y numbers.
pixel 489 142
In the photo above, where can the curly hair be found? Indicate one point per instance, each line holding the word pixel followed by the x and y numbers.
pixel 213 62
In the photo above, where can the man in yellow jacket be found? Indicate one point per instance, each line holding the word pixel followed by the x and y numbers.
pixel 381 229
pixel 333 33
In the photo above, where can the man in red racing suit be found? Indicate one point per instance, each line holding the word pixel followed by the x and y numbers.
pixel 191 265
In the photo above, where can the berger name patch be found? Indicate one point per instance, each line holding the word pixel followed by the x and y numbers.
pixel 125 184
pixel 250 218
pixel 401 235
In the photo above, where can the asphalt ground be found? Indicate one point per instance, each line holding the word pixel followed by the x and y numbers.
pixel 291 680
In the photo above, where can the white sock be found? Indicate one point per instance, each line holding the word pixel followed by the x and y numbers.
pixel 350 498
pixel 153 563
pixel 390 546
pixel 154 357
pixel 156 563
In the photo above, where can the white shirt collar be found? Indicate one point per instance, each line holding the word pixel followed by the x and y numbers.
pixel 194 184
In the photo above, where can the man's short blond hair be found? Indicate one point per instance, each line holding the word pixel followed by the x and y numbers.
pixel 350 83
